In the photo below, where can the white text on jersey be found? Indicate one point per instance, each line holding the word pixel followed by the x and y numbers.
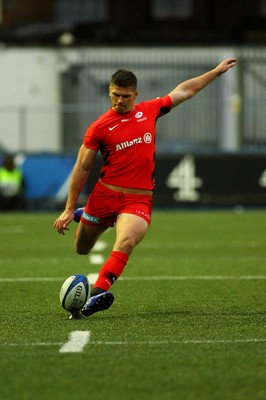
pixel 127 143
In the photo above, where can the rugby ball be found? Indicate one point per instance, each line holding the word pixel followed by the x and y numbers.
pixel 74 292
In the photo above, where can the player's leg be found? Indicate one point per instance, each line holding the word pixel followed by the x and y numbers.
pixel 86 237
pixel 130 230
pixel 91 221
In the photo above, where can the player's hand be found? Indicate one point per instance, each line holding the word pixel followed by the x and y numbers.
pixel 61 223
pixel 225 65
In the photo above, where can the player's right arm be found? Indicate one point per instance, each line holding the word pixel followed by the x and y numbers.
pixel 81 171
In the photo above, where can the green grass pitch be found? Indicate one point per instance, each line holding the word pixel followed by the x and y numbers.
pixel 187 323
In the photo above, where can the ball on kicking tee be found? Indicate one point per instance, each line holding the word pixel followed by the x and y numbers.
pixel 74 292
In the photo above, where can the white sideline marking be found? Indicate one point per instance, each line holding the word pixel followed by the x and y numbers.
pixel 30 279
pixel 99 246
pixel 96 259
pixel 92 277
pixel 76 343
pixel 32 344
pixel 184 278
pixel 200 245
pixel 145 342
pixel 192 341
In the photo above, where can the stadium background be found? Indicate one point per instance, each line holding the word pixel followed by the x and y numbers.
pixel 56 61
pixel 188 320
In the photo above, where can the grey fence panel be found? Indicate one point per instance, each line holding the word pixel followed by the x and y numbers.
pixel 254 97
pixel 233 105
pixel 193 124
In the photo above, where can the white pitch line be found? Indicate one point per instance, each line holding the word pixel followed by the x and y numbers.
pixel 96 259
pixel 200 245
pixel 145 342
pixel 200 277
pixel 30 279
pixel 100 245
pixel 33 344
pixel 92 277
pixel 76 343
pixel 177 342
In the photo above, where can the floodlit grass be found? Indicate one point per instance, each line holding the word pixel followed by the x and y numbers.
pixel 188 321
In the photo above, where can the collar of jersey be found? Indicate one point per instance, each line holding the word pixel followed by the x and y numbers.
pixel 126 115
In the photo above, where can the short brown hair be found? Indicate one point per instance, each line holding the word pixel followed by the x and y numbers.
pixel 124 78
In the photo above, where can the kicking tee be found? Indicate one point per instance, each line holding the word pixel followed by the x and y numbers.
pixel 127 143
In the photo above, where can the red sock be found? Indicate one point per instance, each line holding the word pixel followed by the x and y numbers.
pixel 111 270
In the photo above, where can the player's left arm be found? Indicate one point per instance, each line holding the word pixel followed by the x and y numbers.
pixel 191 87
pixel 81 171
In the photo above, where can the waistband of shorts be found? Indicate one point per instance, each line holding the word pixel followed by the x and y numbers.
pixel 128 191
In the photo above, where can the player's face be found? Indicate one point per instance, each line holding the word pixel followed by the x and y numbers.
pixel 122 99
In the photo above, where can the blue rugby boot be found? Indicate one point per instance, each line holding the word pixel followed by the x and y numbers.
pixel 78 213
pixel 96 303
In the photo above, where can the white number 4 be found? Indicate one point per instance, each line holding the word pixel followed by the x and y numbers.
pixel 183 177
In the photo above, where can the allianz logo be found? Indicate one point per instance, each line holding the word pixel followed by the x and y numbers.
pixel 147 138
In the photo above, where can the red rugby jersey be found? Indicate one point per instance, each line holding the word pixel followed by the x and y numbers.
pixel 127 143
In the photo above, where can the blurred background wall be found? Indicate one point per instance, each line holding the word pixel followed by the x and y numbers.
pixel 56 62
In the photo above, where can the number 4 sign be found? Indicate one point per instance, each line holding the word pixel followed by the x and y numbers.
pixel 183 177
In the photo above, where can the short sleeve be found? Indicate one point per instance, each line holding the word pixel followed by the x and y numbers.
pixel 166 105
pixel 161 105
pixel 91 139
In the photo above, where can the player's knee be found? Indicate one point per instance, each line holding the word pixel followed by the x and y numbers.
pixel 82 249
pixel 82 252
pixel 126 245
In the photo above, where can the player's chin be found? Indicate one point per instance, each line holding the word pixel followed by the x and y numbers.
pixel 120 109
